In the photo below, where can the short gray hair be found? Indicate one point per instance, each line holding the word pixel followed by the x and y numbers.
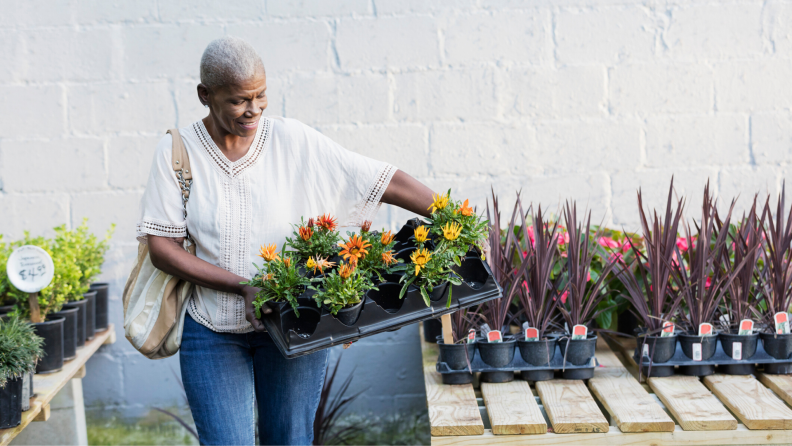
pixel 229 60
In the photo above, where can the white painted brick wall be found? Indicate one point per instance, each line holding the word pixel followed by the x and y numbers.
pixel 584 99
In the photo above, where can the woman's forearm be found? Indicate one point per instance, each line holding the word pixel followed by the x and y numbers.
pixel 408 193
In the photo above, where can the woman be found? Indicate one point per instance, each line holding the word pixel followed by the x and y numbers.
pixel 252 177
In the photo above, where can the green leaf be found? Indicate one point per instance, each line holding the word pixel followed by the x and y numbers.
pixel 426 297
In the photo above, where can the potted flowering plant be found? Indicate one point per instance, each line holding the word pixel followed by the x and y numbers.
pixel 279 281
pixel 457 218
pixel 343 292
pixel 20 349
pixel 317 238
pixel 431 271
pixel 373 252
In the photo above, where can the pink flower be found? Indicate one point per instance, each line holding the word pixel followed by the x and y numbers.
pixel 708 283
pixel 616 257
pixel 564 297
pixel 626 247
pixel 608 242
pixel 525 254
pixel 531 235
pixel 588 279
pixel 563 238
pixel 682 243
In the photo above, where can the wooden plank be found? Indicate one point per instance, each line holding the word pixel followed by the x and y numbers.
pixel 614 437
pixel 754 404
pixel 512 408
pixel 44 413
pixel 780 384
pixel 693 406
pixel 452 409
pixel 570 406
pixel 111 338
pixel 80 373
pixel 47 386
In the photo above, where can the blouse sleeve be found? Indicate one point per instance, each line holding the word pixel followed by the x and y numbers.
pixel 161 211
pixel 351 184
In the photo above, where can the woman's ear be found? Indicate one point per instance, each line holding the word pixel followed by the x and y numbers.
pixel 203 94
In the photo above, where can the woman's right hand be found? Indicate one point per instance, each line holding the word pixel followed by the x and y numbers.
pixel 249 294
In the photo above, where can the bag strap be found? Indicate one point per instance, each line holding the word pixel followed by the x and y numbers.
pixel 180 162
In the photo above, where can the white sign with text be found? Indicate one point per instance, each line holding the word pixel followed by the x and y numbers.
pixel 30 269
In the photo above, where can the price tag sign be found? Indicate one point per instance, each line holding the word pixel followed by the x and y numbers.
pixel 705 329
pixel 579 332
pixel 737 351
pixel 494 336
pixel 697 352
pixel 30 269
pixel 746 327
pixel 531 334
pixel 781 323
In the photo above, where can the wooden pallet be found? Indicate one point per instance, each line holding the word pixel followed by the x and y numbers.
pixel 47 386
pixel 613 408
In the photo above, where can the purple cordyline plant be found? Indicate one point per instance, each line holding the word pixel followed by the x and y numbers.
pixel 653 300
pixel 462 321
pixel 705 281
pixel 777 273
pixel 538 294
pixel 583 298
pixel 744 292
pixel 501 260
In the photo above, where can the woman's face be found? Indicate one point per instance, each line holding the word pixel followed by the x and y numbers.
pixel 236 109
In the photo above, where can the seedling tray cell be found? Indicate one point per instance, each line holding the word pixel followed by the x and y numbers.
pixel 382 311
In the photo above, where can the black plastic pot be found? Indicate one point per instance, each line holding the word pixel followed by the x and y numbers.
pixel 432 329
pixel 82 310
pixel 51 331
pixel 405 253
pixel 387 297
pixel 748 342
pixel 90 315
pixel 70 316
pixel 454 354
pixel 579 351
pixel 627 322
pixel 303 326
pixel 349 315
pixel 101 305
pixel 538 353
pixel 5 309
pixel 708 346
pixel 27 391
pixel 497 354
pixel 779 346
pixel 661 349
pixel 11 404
pixel 439 292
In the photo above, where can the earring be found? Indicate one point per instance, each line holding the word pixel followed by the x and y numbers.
pixel 206 105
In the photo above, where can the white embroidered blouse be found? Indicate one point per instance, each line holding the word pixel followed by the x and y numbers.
pixel 290 171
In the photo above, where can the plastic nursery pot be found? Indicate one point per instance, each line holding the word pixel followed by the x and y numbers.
pixel 579 351
pixel 779 346
pixel 11 403
pixel 387 297
pixel 5 309
pixel 440 292
pixel 82 310
pixel 404 254
pixel 303 326
pixel 660 349
pixel 454 354
pixel 348 315
pixel 70 317
pixel 101 305
pixel 51 331
pixel 27 387
pixel 708 345
pixel 471 271
pixel 90 314
pixel 747 347
pixel 538 353
pixel 432 329
pixel 496 354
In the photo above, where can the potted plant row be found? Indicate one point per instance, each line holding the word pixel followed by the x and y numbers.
pixel 20 349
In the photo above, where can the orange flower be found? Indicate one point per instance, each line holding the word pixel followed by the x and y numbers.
pixel 306 232
pixel 346 270
pixel 269 276
pixel 465 210
pixel 268 253
pixel 287 261
pixel 386 238
pixel 327 221
pixel 387 257
pixel 319 263
pixel 366 226
pixel 355 248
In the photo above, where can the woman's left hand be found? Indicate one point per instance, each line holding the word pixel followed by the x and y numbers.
pixel 249 294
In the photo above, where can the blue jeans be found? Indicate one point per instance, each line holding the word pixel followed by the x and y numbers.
pixel 227 375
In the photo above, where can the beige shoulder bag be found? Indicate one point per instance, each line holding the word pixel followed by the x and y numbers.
pixel 154 302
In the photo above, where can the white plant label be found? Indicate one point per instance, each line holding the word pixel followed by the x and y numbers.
pixel 471 337
pixel 30 268
pixel 668 330
pixel 705 329
pixel 484 329
pixel 494 336
pixel 781 323
pixel 746 327
pixel 697 351
pixel 531 334
pixel 737 351
pixel 579 332
pixel 646 350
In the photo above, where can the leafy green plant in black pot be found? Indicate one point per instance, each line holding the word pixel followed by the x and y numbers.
pixel 343 293
pixel 316 238
pixel 279 281
pixel 647 284
pixel 20 349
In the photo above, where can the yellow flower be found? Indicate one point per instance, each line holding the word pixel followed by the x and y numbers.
pixel 387 257
pixel 386 238
pixel 355 248
pixel 268 253
pixel 451 231
pixel 465 210
pixel 421 233
pixel 440 202
pixel 346 270
pixel 420 257
pixel 310 264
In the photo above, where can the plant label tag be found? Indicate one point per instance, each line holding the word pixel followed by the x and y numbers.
pixel 494 336
pixel 668 330
pixel 579 332
pixel 697 351
pixel 531 334
pixel 645 350
pixel 484 329
pixel 471 337
pixel 746 327
pixel 737 351
pixel 781 321
pixel 705 329
pixel 30 269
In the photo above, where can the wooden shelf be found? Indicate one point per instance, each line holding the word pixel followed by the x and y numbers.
pixel 47 386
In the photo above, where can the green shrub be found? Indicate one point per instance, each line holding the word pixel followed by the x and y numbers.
pixel 88 249
pixel 5 251
pixel 20 348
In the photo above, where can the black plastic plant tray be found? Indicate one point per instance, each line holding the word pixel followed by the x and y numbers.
pixel 720 358
pixel 557 364
pixel 317 329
